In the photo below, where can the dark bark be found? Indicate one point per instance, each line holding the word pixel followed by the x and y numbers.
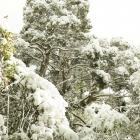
pixel 44 65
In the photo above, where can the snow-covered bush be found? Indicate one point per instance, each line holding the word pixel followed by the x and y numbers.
pixel 50 105
pixel 33 106
pixel 103 117
pixel 87 133
pixel 101 122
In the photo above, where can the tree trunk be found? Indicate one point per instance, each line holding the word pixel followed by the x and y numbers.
pixel 44 65
pixel 64 84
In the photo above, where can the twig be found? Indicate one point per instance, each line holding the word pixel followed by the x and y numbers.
pixel 78 118
pixel 33 57
pixel 8 103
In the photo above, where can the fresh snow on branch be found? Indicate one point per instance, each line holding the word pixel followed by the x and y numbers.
pixel 47 98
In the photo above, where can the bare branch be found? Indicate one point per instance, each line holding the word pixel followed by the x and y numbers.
pixel 78 118
pixel 35 58
pixel 34 46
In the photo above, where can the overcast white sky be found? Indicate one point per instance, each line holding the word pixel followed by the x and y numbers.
pixel 109 17
pixel 12 8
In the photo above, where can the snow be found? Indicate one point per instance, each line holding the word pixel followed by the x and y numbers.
pixel 135 81
pixel 106 76
pixel 3 41
pixel 128 138
pixel 110 51
pixel 63 20
pixel 102 116
pixel 3 128
pixel 21 42
pixel 36 34
pixel 126 96
pixel 85 94
pixel 92 48
pixel 127 100
pixel 88 50
pixel 107 91
pixel 1 120
pixel 87 134
pixel 121 71
pixel 67 133
pixel 46 97
pixel 120 43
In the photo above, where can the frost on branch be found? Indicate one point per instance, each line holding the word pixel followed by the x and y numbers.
pixel 93 48
pixel 135 82
pixel 3 128
pixel 102 116
pixel 107 91
pixel 101 119
pixel 51 120
pixel 120 43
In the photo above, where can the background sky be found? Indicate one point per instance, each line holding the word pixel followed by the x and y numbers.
pixel 12 8
pixel 110 18
pixel 116 18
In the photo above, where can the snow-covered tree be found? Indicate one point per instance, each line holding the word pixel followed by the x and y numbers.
pixel 110 65
pixel 54 30
pixel 31 105
pixel 114 66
